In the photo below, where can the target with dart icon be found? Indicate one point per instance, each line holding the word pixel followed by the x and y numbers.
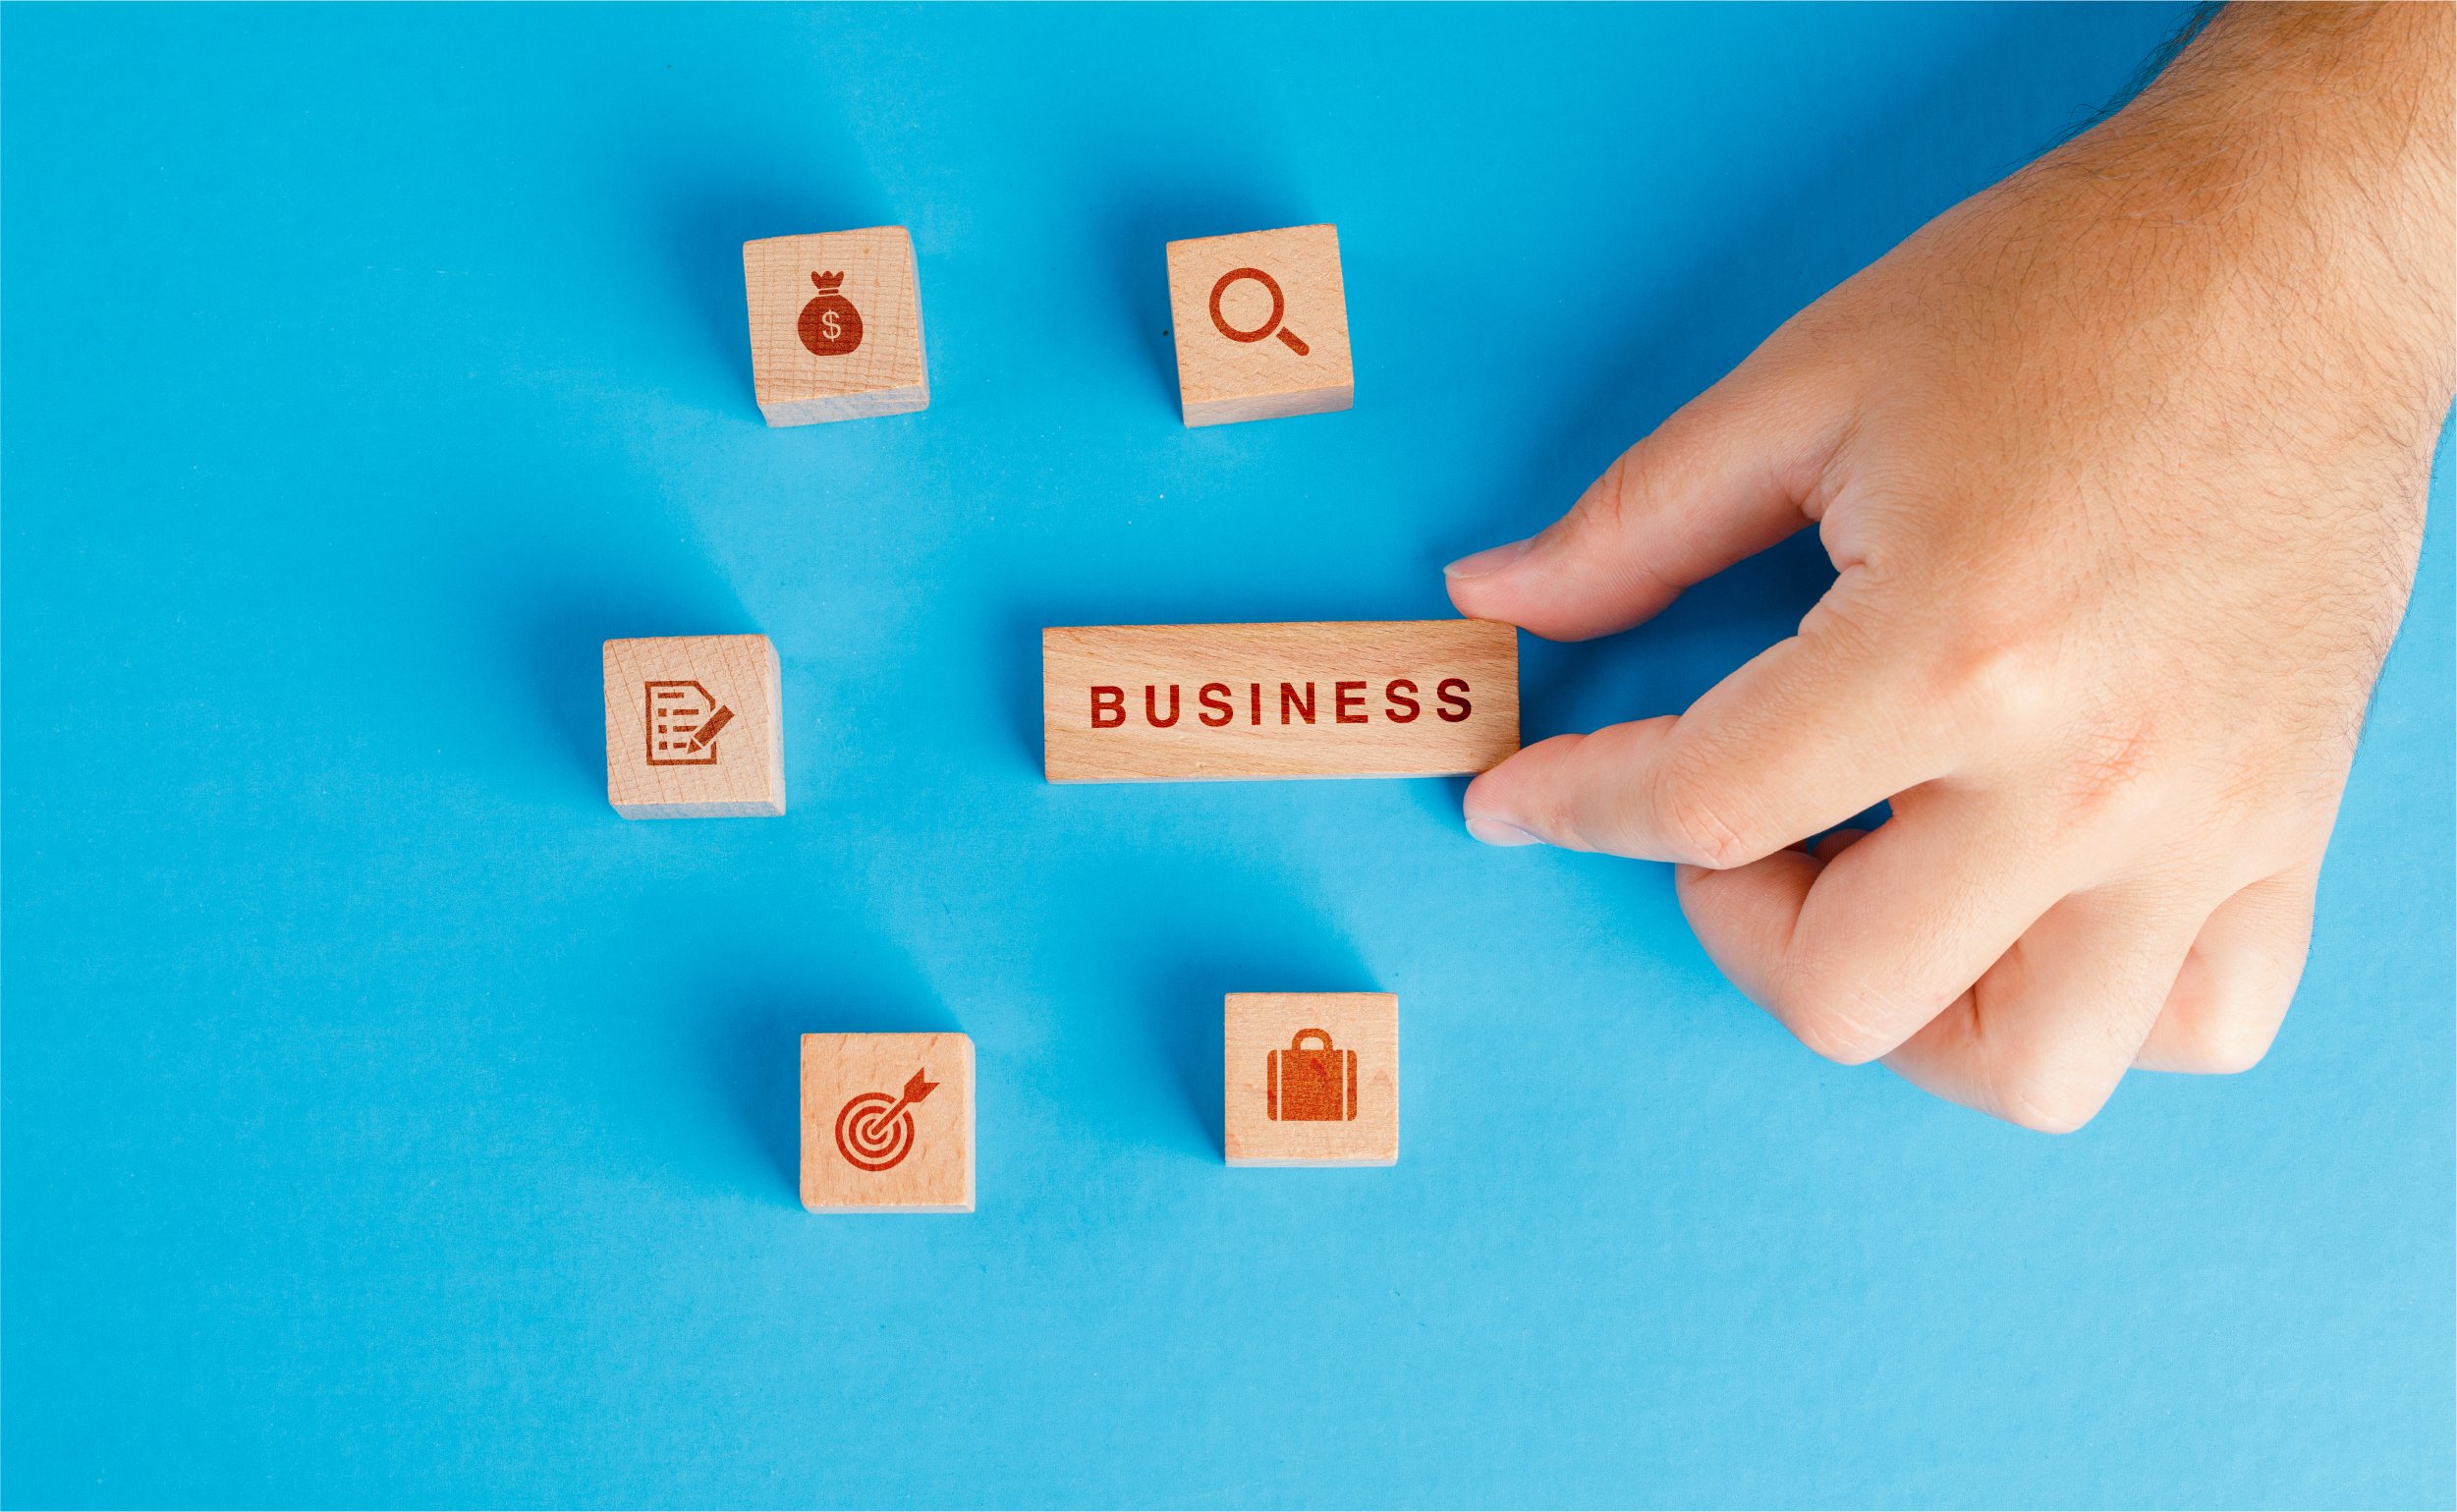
pixel 875 1130
pixel 887 1123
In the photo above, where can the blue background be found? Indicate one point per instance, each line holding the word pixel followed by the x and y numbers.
pixel 388 1122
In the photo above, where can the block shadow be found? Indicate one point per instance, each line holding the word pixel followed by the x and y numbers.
pixel 1015 666
pixel 1181 967
pixel 749 1038
pixel 1145 207
pixel 551 600
pixel 697 190
pixel 701 229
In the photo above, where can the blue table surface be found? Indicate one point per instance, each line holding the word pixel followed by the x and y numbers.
pixel 387 1122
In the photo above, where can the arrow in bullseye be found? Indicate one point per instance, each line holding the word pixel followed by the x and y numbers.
pixel 916 1089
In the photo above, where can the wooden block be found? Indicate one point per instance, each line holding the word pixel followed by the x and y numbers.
pixel 835 325
pixel 1369 699
pixel 1312 1079
pixel 1261 325
pixel 887 1123
pixel 695 728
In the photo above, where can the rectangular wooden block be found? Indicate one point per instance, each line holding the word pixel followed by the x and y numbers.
pixel 887 1123
pixel 694 727
pixel 1312 1079
pixel 1261 325
pixel 1366 698
pixel 835 325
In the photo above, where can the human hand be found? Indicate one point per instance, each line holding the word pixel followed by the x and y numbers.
pixel 2122 462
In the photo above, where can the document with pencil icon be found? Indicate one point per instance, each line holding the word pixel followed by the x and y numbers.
pixel 683 720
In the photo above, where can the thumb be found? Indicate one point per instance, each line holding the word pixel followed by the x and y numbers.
pixel 1725 477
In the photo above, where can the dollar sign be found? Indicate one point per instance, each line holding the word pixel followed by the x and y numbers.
pixel 830 324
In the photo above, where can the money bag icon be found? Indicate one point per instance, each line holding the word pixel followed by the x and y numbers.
pixel 830 325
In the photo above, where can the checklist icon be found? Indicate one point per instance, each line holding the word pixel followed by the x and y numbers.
pixel 693 727
pixel 683 720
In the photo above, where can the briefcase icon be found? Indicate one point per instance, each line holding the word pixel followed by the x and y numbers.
pixel 1313 1084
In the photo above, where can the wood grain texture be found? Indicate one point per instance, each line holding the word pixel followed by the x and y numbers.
pixel 886 373
pixel 667 755
pixel 1222 378
pixel 1258 1025
pixel 1362 699
pixel 854 1108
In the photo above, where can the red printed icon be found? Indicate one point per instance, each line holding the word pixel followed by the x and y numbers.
pixel 875 1130
pixel 683 720
pixel 830 325
pixel 1318 1086
pixel 1269 327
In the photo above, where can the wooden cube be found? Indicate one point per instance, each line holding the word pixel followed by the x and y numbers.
pixel 835 325
pixel 1362 699
pixel 1312 1079
pixel 1261 325
pixel 887 1123
pixel 694 727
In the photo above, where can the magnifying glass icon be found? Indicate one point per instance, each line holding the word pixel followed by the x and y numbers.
pixel 1269 327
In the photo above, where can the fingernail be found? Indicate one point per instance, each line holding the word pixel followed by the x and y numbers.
pixel 1498 832
pixel 1491 560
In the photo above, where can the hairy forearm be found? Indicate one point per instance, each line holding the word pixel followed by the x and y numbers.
pixel 2316 145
